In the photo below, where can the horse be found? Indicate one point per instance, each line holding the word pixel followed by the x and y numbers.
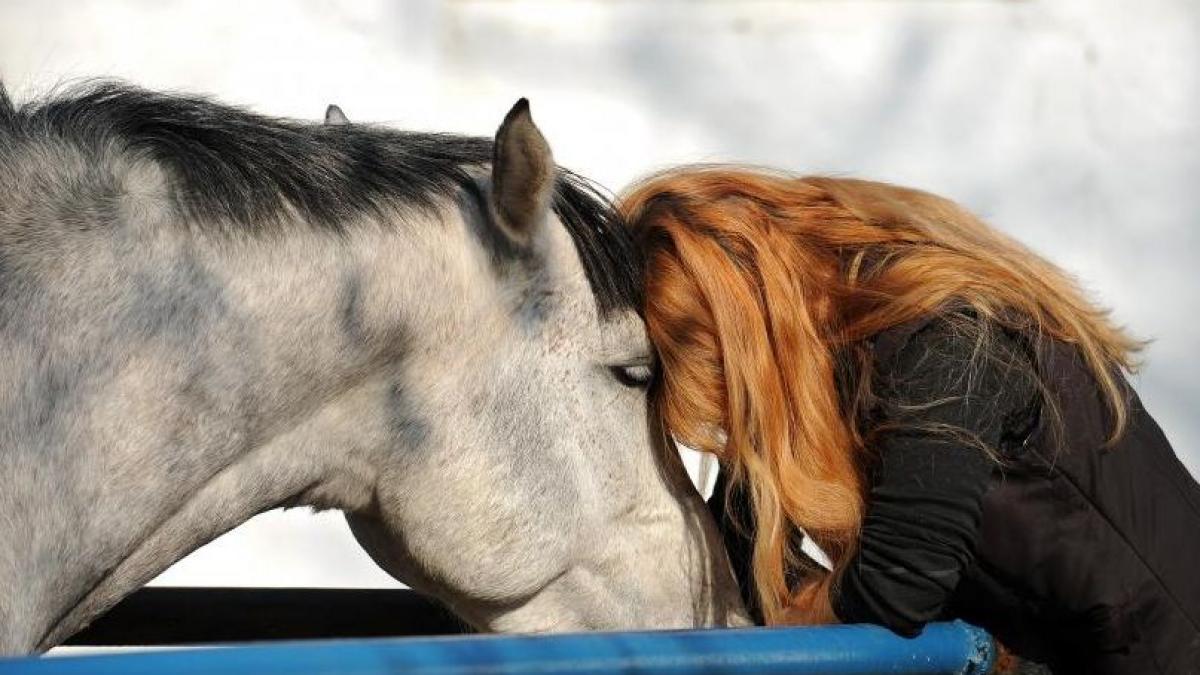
pixel 206 313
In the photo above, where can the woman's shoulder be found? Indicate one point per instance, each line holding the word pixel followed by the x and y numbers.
pixel 955 369
pixel 957 342
pixel 959 332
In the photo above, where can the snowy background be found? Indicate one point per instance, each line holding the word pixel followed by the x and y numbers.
pixel 1072 124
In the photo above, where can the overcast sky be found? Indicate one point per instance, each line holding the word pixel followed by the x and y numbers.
pixel 1074 125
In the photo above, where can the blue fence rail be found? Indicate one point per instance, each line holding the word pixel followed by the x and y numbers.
pixel 837 650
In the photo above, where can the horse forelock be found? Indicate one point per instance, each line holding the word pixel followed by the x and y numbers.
pixel 229 167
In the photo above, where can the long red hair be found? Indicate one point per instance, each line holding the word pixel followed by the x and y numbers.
pixel 760 286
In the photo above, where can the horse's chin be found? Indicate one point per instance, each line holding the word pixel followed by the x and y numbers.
pixel 580 601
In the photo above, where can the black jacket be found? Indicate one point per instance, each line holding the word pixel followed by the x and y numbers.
pixel 1073 554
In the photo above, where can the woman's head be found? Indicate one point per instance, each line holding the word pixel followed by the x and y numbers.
pixel 760 290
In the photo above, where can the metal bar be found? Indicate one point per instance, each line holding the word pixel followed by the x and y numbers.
pixel 178 616
pixel 836 650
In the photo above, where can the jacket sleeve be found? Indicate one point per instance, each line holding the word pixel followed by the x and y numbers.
pixel 944 396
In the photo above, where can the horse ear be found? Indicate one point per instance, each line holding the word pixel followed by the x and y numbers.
pixel 523 173
pixel 334 116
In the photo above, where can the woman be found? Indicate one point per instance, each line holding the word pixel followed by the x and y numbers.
pixel 937 407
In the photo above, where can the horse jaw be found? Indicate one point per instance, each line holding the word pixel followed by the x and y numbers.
pixel 622 583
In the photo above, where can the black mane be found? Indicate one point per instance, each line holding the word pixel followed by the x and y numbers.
pixel 229 165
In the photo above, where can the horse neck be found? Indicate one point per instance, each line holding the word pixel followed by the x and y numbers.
pixel 241 384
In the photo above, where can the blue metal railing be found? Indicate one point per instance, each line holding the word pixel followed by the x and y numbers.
pixel 954 647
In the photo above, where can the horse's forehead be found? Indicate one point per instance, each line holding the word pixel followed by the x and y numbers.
pixel 559 248
pixel 623 336
pixel 562 269
pixel 620 330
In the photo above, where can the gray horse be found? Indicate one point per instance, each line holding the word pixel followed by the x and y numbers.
pixel 206 313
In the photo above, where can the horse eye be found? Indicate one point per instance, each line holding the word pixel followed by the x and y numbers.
pixel 637 375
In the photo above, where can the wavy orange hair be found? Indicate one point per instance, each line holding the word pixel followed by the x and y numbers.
pixel 761 286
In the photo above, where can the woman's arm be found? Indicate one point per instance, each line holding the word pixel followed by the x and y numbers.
pixel 947 393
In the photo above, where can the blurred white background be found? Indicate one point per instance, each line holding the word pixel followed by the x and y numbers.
pixel 1072 124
